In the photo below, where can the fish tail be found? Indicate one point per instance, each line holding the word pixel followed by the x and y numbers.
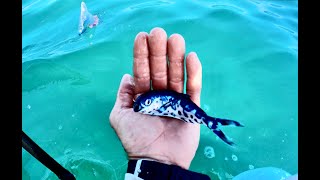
pixel 226 122
pixel 215 123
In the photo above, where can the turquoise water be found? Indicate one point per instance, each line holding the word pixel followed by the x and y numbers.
pixel 248 50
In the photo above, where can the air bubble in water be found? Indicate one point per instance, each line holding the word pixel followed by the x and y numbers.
pixel 209 152
pixel 234 157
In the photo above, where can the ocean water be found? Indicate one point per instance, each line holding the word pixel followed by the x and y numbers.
pixel 248 50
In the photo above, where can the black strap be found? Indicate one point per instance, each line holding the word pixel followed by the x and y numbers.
pixel 156 170
pixel 29 145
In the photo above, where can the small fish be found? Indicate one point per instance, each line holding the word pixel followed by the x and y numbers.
pixel 178 105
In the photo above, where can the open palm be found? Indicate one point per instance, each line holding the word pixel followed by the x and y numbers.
pixel 167 140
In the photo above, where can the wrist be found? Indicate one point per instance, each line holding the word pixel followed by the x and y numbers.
pixel 153 158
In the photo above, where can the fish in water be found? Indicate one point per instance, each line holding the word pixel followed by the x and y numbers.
pixel 179 105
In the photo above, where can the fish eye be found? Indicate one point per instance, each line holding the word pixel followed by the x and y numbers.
pixel 148 102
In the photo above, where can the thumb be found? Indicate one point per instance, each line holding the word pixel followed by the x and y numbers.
pixel 125 92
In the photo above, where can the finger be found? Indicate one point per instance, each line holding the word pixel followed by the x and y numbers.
pixel 126 92
pixel 176 51
pixel 194 77
pixel 157 42
pixel 141 70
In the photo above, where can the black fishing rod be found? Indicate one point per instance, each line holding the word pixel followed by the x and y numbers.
pixel 29 145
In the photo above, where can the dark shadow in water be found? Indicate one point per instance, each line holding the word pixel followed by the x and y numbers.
pixel 38 74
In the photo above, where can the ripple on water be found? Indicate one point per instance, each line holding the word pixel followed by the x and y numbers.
pixel 286 29
pixel 147 5
pixel 272 14
pixel 229 7
pixel 275 5
pixel 84 167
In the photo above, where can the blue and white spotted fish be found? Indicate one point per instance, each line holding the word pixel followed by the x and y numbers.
pixel 178 105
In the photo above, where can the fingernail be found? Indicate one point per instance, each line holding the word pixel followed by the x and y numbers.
pixel 142 34
pixel 193 54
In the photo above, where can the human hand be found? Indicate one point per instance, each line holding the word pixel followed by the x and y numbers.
pixel 166 140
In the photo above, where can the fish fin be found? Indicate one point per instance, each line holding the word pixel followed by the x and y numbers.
pixel 166 105
pixel 222 136
pixel 163 106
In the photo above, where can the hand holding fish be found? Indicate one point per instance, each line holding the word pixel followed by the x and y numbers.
pixel 167 140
